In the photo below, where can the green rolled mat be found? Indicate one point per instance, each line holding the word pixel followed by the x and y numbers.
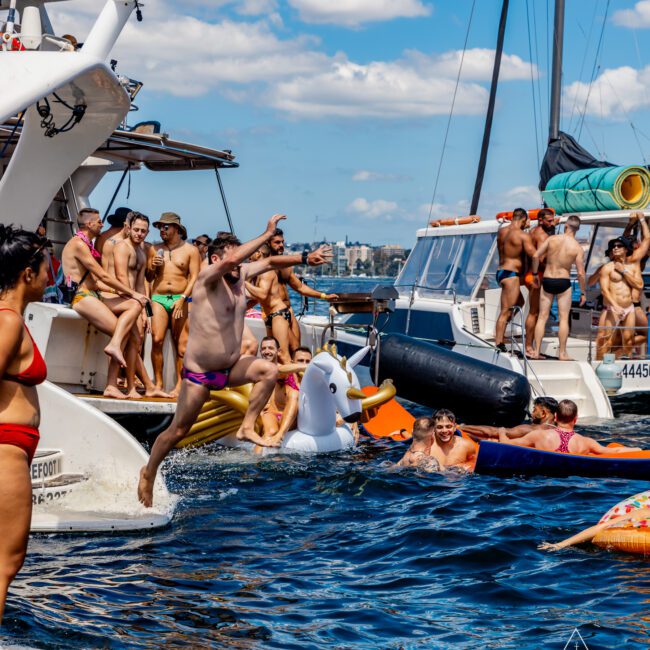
pixel 596 190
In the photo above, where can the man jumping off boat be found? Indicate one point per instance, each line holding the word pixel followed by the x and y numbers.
pixel 512 242
pixel 213 358
pixel 562 252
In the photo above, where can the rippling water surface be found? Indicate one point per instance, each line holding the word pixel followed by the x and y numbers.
pixel 343 551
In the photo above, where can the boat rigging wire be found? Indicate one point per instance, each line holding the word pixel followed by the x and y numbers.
pixel 11 135
pixel 117 189
pixel 532 84
pixel 223 199
pixel 541 113
pixel 416 280
pixel 584 60
pixel 595 69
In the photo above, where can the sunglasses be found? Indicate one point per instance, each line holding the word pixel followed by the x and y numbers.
pixel 46 244
pixel 199 242
pixel 618 246
pixel 165 227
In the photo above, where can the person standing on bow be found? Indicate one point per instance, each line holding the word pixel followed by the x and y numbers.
pixel 23 278
pixel 539 234
pixel 174 266
pixel 513 243
pixel 562 252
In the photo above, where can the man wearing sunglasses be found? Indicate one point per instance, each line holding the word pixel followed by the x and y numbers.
pixel 202 242
pixel 173 266
pixel 618 279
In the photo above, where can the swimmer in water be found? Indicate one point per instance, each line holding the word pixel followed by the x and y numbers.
pixel 417 455
pixel 447 448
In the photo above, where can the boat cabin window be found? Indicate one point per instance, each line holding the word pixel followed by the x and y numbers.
pixel 444 265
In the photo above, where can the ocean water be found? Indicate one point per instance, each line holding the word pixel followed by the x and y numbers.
pixel 343 551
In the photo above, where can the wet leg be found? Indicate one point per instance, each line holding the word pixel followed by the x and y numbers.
pixel 190 401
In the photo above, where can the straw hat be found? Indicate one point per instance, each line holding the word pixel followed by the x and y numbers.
pixel 173 219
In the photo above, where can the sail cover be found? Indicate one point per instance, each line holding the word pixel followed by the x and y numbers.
pixel 566 155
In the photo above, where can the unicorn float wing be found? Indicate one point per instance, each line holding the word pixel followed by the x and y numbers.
pixel 329 386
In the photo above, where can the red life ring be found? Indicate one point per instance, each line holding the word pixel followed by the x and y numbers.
pixel 458 221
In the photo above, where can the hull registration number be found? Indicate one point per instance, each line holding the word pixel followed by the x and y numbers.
pixel 636 370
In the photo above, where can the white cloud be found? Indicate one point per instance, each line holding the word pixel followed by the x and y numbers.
pixel 256 7
pixel 614 92
pixel 352 13
pixel 377 209
pixel 364 175
pixel 247 61
pixel 637 18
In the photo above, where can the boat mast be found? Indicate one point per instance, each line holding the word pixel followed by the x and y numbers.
pixel 480 173
pixel 556 80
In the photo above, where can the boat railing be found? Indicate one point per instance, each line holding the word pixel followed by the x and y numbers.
pixel 606 343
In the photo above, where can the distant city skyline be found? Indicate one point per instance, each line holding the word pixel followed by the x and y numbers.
pixel 337 111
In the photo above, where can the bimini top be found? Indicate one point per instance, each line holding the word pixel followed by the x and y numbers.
pixel 155 151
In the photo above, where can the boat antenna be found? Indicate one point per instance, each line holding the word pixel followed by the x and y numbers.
pixel 556 77
pixel 480 172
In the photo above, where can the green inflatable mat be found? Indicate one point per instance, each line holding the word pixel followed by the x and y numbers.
pixel 600 189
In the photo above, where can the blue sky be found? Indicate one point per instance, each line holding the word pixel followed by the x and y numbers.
pixel 337 110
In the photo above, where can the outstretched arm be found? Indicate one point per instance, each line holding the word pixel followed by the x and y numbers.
pixel 589 533
pixel 304 290
pixel 231 260
pixel 485 432
pixel 321 255
pixel 528 440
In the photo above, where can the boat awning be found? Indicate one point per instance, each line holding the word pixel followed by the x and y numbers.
pixel 155 151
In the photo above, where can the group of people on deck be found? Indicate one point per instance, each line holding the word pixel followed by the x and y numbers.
pixel 542 261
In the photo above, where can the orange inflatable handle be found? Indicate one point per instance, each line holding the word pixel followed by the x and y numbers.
pixel 458 221
pixel 532 214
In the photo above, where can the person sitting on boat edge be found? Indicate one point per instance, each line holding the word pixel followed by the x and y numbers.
pixel 542 416
pixel 447 448
pixel 562 252
pixel 418 454
pixel 214 359
pixel 563 438
pixel 512 243
pixel 23 278
pixel 85 277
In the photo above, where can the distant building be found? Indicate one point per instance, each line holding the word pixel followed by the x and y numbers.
pixel 359 256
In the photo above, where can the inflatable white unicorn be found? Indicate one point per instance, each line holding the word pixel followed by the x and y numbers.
pixel 329 387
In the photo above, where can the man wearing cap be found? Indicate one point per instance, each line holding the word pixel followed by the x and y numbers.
pixel 174 266
pixel 116 226
pixel 618 279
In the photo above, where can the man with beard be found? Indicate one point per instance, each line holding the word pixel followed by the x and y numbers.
pixel 174 266
pixel 539 234
pixel 542 416
pixel 213 359
pixel 274 299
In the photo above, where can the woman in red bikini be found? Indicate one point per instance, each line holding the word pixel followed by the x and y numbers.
pixel 23 278
pixel 562 437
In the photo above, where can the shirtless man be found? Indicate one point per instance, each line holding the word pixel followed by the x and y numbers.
pixel 417 455
pixel 213 359
pixel 116 222
pixel 618 278
pixel 280 412
pixel 639 255
pixel 274 299
pixel 539 234
pixel 448 448
pixel 542 417
pixel 563 438
pixel 113 316
pixel 202 242
pixel 561 252
pixel 174 266
pixel 130 263
pixel 513 243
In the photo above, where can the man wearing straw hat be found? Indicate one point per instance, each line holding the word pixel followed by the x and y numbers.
pixel 174 266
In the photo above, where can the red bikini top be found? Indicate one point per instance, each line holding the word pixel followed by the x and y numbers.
pixel 36 373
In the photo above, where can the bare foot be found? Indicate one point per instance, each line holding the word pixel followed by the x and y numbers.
pixel 530 353
pixel 145 489
pixel 116 354
pixel 133 394
pixel 252 436
pixel 173 394
pixel 156 392
pixel 566 357
pixel 114 392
